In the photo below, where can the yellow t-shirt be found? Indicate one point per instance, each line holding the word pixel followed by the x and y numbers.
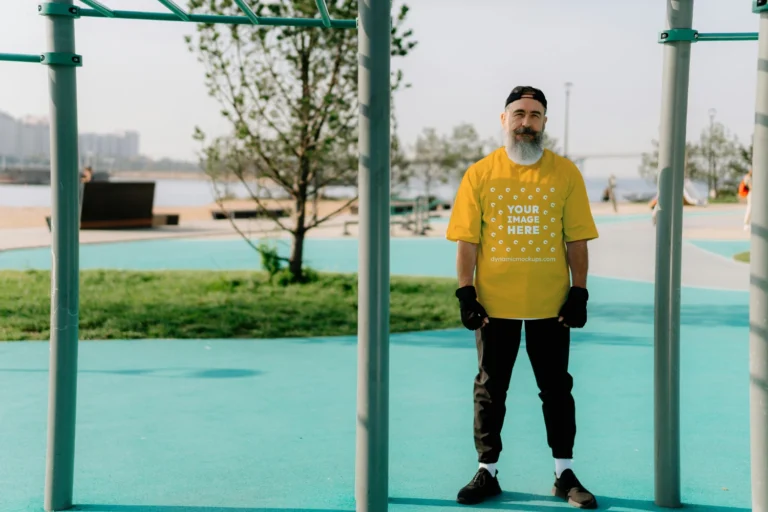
pixel 521 216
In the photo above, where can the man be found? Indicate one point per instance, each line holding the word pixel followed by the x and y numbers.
pixel 522 220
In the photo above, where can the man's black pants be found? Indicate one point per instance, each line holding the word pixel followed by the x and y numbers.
pixel 548 345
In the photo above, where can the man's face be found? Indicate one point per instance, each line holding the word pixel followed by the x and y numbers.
pixel 523 122
pixel 525 118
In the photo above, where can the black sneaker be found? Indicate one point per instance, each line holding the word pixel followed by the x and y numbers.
pixel 570 489
pixel 482 486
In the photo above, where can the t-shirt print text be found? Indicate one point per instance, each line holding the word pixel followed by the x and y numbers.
pixel 524 219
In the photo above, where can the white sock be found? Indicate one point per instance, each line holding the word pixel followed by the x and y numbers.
pixel 490 467
pixel 561 465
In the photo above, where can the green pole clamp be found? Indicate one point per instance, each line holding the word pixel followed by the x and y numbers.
pixel 679 34
pixel 53 9
pixel 62 59
pixel 759 6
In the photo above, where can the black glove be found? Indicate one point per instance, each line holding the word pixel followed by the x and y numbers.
pixel 472 313
pixel 574 311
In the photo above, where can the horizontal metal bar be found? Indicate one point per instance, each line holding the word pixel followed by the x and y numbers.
pixel 323 8
pixel 248 12
pixel 175 9
pixel 18 57
pixel 214 19
pixel 99 7
pixel 727 36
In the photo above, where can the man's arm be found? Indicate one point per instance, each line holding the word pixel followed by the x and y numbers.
pixel 466 259
pixel 578 261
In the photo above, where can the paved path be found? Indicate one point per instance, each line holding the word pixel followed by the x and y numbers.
pixel 628 251
pixel 625 249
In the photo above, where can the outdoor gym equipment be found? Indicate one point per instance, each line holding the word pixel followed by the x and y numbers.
pixel 677 39
pixel 374 41
pixel 374 185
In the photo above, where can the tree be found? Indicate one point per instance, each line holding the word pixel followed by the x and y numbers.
pixel 437 158
pixel 465 147
pixel 290 94
pixel 430 163
pixel 649 165
pixel 718 159
pixel 401 169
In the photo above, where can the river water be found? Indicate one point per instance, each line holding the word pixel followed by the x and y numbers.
pixel 170 192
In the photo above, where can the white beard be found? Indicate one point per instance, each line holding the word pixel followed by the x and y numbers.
pixel 522 152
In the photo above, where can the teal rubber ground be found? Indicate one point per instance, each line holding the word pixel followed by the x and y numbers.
pixel 268 425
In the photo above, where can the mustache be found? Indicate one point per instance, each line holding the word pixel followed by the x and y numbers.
pixel 524 130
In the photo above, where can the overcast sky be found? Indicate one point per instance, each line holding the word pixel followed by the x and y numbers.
pixel 139 75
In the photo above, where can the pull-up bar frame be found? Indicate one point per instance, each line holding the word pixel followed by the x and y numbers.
pixel 677 39
pixel 374 43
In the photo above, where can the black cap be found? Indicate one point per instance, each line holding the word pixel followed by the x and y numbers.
pixel 526 91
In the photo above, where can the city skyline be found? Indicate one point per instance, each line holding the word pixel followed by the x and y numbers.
pixel 29 137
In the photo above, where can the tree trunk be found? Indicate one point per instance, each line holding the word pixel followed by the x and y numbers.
pixel 295 265
pixel 297 251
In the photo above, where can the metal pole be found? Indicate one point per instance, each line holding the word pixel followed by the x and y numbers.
pixel 65 216
pixel 758 304
pixel 568 86
pixel 372 464
pixel 674 113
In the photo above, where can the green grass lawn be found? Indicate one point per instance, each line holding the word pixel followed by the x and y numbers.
pixel 742 256
pixel 205 304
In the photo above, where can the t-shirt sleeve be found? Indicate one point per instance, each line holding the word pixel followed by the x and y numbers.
pixel 578 223
pixel 466 215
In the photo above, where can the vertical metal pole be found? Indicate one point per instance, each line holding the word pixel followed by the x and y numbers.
pixel 758 304
pixel 65 220
pixel 372 461
pixel 674 113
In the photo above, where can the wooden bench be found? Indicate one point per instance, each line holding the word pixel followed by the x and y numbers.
pixel 119 205
pixel 250 214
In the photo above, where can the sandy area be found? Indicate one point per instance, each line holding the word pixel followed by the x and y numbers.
pixel 30 217
pixel 26 226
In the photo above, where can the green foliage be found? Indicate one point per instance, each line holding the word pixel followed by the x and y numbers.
pixel 742 257
pixel 718 159
pixel 436 157
pixel 217 305
pixel 649 166
pixel 290 96
pixel 272 263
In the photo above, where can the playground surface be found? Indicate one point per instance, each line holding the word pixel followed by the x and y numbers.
pixel 269 425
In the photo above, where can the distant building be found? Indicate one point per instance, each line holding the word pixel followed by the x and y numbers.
pixel 117 145
pixel 33 138
pixel 30 138
pixel 8 135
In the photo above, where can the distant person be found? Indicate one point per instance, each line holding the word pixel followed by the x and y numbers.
pixel 521 220
pixel 86 175
pixel 745 190
pixel 610 193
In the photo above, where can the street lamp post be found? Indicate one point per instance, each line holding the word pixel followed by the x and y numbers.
pixel 712 192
